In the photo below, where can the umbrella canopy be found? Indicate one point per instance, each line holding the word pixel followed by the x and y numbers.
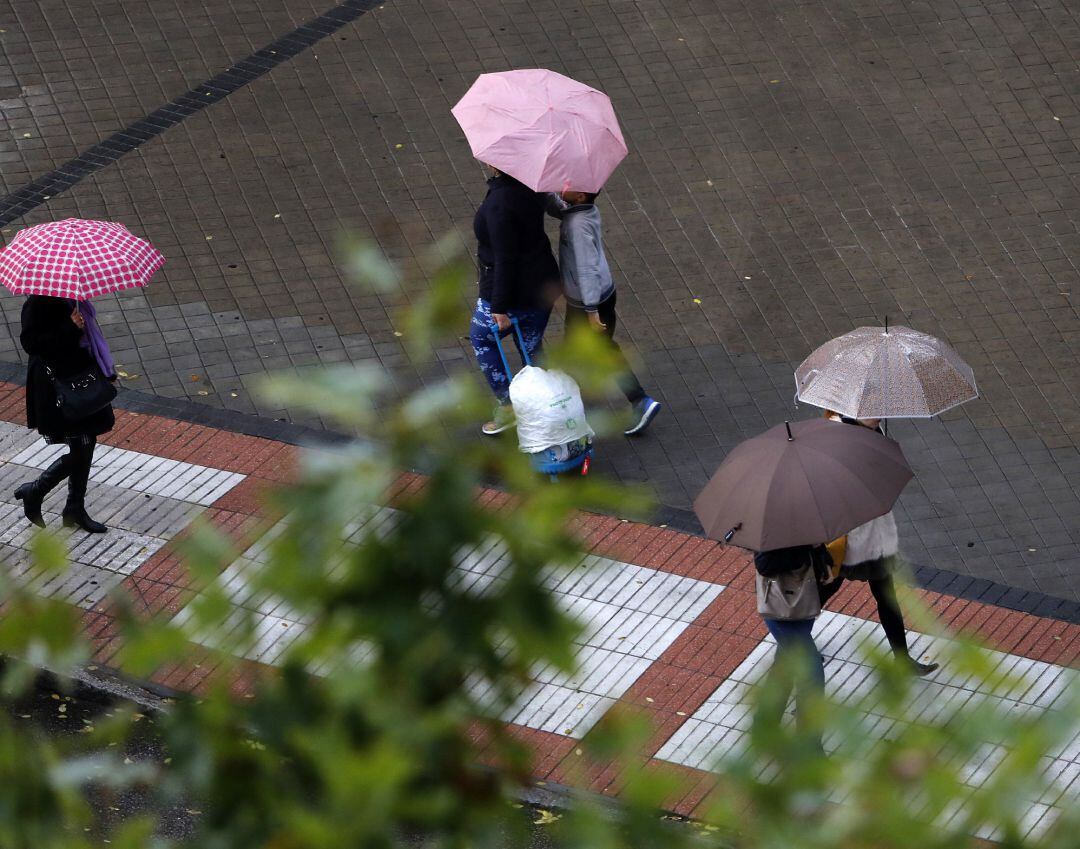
pixel 77 258
pixel 548 131
pixel 885 373
pixel 802 484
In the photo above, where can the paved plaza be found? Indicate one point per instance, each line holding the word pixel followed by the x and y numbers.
pixel 796 170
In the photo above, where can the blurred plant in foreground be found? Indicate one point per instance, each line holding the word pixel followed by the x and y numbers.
pixel 380 726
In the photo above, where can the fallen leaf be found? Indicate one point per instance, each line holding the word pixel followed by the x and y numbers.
pixel 774 82
pixel 233 395
pixel 195 378
pixel 26 136
pixel 203 392
pixel 708 182
pixel 746 278
pixel 649 699
pixel 1056 118
pixel 697 300
pixel 277 215
pixel 398 333
pixel 209 238
pixel 546 817
pixel 121 373
pixel 398 146
pixel 680 713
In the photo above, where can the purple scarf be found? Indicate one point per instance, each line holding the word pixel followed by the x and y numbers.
pixel 94 340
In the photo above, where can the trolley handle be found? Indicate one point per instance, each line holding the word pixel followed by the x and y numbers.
pixel 496 333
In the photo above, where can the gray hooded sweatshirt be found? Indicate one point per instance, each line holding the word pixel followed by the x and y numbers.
pixel 584 269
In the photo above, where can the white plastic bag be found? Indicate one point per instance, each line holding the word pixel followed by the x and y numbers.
pixel 548 408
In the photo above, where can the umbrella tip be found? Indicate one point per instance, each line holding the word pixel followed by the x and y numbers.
pixel 790 438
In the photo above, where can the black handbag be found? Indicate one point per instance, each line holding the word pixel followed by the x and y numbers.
pixel 82 394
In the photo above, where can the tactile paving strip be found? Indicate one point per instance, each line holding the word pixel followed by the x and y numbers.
pixel 145 501
pixel 631 613
pixel 721 725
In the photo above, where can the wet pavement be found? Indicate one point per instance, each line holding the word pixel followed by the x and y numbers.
pixel 796 170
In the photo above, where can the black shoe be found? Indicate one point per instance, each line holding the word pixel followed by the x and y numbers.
pixel 920 669
pixel 31 498
pixel 75 516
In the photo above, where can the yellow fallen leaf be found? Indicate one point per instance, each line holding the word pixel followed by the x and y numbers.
pixel 546 817
pixel 398 146
pixel 697 300
pixel 26 136
pixel 1056 118
pixel 233 395
pixel 708 182
pixel 680 713
pixel 397 333
pixel 649 699
pixel 774 82
pixel 209 238
pixel 277 215
pixel 121 373
pixel 195 378
pixel 203 392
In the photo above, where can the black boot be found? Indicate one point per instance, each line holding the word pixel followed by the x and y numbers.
pixel 32 494
pixel 917 668
pixel 75 515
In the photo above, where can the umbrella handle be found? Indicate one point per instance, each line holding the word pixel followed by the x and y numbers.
pixel 732 532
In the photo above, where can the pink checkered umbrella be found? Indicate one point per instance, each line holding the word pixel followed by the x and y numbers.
pixel 76 258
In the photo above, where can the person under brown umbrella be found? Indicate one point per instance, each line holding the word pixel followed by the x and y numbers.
pixel 782 495
pixel 871 555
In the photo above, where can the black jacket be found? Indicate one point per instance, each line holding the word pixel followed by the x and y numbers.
pixel 517 268
pixel 52 340
pixel 769 564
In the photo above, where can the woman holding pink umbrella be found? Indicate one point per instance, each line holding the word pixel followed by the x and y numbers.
pixel 541 132
pixel 70 375
pixel 64 341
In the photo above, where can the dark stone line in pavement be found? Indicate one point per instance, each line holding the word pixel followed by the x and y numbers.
pixel 218 87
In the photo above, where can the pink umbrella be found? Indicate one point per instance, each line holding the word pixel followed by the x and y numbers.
pixel 76 258
pixel 548 131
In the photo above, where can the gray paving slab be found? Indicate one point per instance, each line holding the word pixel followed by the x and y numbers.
pixel 799 169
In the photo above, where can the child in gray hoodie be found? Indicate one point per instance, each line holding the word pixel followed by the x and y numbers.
pixel 590 291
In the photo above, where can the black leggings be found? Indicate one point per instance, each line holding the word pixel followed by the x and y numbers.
pixel 78 461
pixel 892 620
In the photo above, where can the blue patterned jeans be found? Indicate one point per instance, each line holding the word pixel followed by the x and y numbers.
pixel 533 323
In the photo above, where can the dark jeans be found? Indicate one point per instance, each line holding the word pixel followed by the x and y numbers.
pixel 626 378
pixel 892 620
pixel 794 644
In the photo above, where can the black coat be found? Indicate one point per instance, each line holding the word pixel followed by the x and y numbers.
pixel 52 340
pixel 518 271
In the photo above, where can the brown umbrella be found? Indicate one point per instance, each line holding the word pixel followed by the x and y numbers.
pixel 800 484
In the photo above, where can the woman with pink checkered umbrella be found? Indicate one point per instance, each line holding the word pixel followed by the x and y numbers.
pixel 70 376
